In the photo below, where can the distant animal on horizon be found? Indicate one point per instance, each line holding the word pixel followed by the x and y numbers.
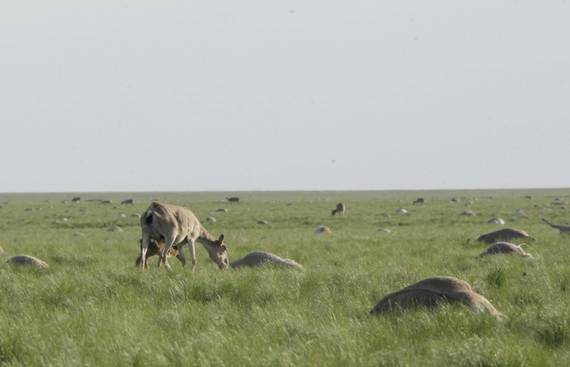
pixel 233 199
pixel 419 201
pixel 127 202
pixel 175 225
pixel 155 248
pixel 340 209
pixel 561 228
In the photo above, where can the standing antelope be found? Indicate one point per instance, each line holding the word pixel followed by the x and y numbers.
pixel 175 225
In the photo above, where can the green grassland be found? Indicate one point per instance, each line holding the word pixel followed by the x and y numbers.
pixel 92 307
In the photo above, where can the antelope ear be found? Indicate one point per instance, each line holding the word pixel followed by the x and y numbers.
pixel 221 239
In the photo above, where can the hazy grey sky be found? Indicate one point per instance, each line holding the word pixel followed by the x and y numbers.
pixel 260 95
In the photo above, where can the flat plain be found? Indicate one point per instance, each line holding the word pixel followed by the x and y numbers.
pixel 92 307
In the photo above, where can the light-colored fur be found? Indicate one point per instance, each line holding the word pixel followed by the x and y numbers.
pixel 505 248
pixel 500 221
pixel 27 260
pixel 431 292
pixel 505 234
pixel 155 248
pixel 322 230
pixel 175 225
pixel 259 258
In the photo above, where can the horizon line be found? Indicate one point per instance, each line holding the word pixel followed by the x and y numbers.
pixel 284 190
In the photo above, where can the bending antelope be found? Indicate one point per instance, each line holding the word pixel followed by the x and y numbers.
pixel 340 209
pixel 175 225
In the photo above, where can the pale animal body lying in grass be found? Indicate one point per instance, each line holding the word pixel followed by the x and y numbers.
pixel 322 230
pixel 115 228
pixel 505 248
pixel 499 221
pixel 259 258
pixel 27 260
pixel 175 225
pixel 431 293
pixel 467 213
pixel 505 234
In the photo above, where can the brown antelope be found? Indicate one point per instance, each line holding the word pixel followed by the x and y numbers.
pixel 156 247
pixel 505 248
pixel 432 292
pixel 340 209
pixel 505 234
pixel 175 225
pixel 27 260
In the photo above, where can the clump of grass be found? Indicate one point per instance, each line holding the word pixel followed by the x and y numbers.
pixel 11 349
pixel 525 298
pixel 554 332
pixel 565 282
pixel 73 260
pixel 497 277
pixel 204 293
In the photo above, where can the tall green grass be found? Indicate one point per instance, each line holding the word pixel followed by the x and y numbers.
pixel 92 307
